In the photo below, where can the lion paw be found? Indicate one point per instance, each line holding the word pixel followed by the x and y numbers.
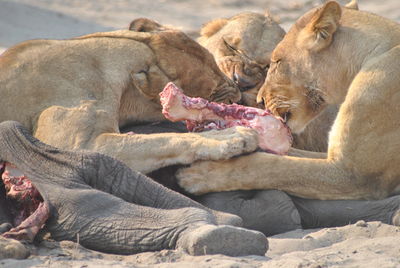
pixel 224 144
pixel 193 180
pixel 201 178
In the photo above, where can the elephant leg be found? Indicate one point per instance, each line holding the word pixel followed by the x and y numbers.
pixel 330 213
pixel 268 211
pixel 90 169
pixel 106 223
pixel 112 176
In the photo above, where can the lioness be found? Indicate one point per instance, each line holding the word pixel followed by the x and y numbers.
pixel 242 46
pixel 76 94
pixel 332 55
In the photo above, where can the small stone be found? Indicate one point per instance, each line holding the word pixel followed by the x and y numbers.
pixel 12 249
pixel 5 227
pixel 361 224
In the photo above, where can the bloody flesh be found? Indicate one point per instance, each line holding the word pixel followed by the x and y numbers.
pixel 29 210
pixel 200 114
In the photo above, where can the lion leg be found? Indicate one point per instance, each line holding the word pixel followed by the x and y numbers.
pixel 306 154
pixel 146 153
pixel 362 160
pixel 308 178
pixel 96 130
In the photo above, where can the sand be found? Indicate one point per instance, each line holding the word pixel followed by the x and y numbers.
pixel 359 245
pixel 362 244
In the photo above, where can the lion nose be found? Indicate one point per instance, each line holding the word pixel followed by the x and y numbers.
pixel 241 102
pixel 243 83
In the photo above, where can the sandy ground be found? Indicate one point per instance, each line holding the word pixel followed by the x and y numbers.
pixel 359 245
pixel 362 244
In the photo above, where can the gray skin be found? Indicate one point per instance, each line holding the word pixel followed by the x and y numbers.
pixel 273 211
pixel 115 209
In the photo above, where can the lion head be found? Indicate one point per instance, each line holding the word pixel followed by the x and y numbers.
pixel 242 46
pixel 183 61
pixel 300 82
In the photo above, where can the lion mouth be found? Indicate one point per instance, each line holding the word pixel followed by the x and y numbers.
pixel 28 208
pixel 286 116
pixel 243 82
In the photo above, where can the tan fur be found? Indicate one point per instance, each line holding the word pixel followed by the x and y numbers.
pixel 332 55
pixel 76 94
pixel 242 46
pixel 353 4
pixel 255 36
pixel 212 27
pixel 145 25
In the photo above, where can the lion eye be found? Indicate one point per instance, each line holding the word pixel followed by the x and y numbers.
pixel 230 46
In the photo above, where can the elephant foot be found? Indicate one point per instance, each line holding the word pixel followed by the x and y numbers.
pixel 223 239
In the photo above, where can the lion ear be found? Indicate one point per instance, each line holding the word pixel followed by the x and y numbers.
pixel 268 14
pixel 270 17
pixel 145 25
pixel 352 5
pixel 319 31
pixel 213 27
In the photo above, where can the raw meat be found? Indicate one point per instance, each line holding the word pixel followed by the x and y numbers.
pixel 200 115
pixel 29 210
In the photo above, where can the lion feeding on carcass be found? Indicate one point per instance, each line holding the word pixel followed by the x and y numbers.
pixel 362 160
pixel 76 94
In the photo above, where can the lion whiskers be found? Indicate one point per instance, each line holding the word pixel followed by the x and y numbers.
pixel 282 102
